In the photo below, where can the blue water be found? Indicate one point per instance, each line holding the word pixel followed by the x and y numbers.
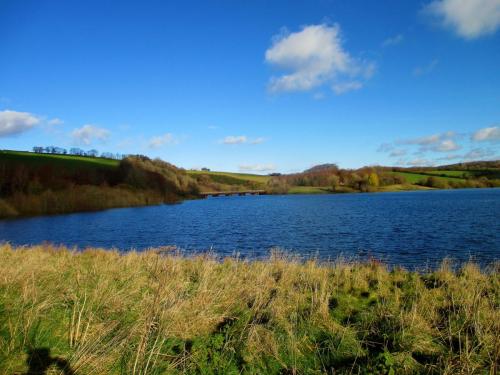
pixel 413 229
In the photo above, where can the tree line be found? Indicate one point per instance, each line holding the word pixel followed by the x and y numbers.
pixel 77 152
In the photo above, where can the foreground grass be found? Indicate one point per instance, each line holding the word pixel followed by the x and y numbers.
pixel 155 312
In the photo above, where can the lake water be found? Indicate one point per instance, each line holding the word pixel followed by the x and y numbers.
pixel 414 229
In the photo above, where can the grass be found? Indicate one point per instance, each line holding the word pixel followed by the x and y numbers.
pixel 414 178
pixel 72 161
pixel 159 313
pixel 309 190
pixel 446 173
pixel 238 176
pixel 402 187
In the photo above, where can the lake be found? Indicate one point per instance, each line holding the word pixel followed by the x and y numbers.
pixel 413 229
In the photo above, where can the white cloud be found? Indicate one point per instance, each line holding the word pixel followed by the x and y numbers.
pixel 161 140
pixel 234 139
pixel 473 155
pixel 468 18
pixel 313 56
pixel 491 134
pixel 342 88
pixel 428 140
pixel 393 41
pixel 88 134
pixel 426 69
pixel 55 121
pixel 13 122
pixel 257 168
pixel 446 145
pixel 241 139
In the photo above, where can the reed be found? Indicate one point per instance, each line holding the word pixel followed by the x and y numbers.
pixel 154 312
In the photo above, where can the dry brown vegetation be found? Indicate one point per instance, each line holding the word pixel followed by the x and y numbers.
pixel 31 186
pixel 157 312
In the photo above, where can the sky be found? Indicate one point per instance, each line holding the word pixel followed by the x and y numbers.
pixel 254 86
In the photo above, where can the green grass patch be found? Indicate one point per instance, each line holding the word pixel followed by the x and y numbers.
pixel 453 174
pixel 414 178
pixel 70 161
pixel 239 176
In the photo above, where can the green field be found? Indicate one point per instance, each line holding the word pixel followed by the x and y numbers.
pixel 71 161
pixel 414 178
pixel 237 176
pixel 455 174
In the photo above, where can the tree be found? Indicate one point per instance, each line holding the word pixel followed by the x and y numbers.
pixel 334 182
pixel 373 179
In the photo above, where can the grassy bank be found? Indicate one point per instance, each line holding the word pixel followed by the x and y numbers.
pixel 150 313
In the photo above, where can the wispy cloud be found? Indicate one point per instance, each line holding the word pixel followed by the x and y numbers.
pixel 342 88
pixel 398 153
pixel 257 141
pixel 425 148
pixel 419 163
pixel 469 19
pixel 385 147
pixel 426 69
pixel 13 122
pixel 491 134
pixel 161 140
pixel 55 121
pixel 428 140
pixel 474 154
pixel 445 145
pixel 234 139
pixel 88 134
pixel 257 168
pixel 393 41
pixel 241 139
pixel 313 56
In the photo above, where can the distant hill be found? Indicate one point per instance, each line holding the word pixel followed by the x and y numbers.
pixel 493 164
pixel 321 168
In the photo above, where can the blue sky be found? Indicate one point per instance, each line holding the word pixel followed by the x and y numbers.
pixel 254 86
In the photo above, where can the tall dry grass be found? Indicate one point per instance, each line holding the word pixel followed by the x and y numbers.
pixel 156 312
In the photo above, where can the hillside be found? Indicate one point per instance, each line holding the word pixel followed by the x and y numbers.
pixel 34 184
pixel 228 181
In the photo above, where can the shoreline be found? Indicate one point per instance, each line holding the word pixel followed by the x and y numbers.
pixel 423 189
